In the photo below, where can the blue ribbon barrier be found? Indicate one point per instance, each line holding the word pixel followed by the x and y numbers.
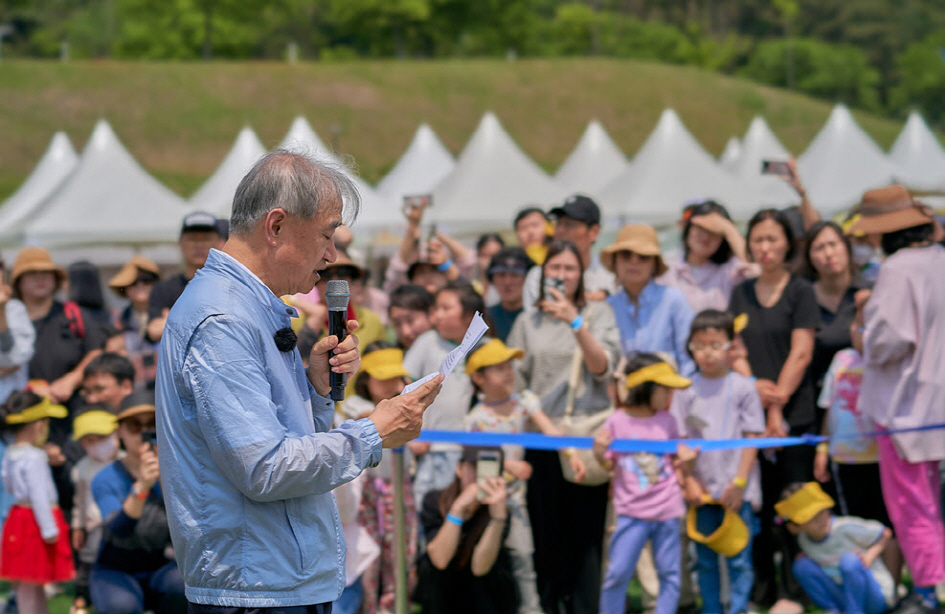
pixel 537 441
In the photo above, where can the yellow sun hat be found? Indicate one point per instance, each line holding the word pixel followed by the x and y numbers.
pixel 43 409
pixel 730 538
pixel 494 352
pixel 384 364
pixel 94 422
pixel 804 504
pixel 661 373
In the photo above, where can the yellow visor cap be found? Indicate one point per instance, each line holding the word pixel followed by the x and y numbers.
pixel 494 352
pixel 43 409
pixel 804 504
pixel 94 422
pixel 384 364
pixel 728 540
pixel 660 373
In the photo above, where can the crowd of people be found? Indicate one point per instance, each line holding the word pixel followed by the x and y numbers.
pixel 798 327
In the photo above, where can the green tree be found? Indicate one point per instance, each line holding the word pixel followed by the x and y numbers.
pixel 922 84
pixel 840 73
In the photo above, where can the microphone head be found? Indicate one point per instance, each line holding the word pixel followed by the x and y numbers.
pixel 337 295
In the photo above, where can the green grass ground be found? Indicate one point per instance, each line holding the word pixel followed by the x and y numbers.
pixel 179 119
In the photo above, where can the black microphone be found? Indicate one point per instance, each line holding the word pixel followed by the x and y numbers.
pixel 336 296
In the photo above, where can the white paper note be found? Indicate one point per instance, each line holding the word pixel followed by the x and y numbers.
pixel 477 328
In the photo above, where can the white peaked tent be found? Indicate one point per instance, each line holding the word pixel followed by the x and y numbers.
pixel 424 163
pixel 842 162
pixel 919 156
pixel 593 163
pixel 670 169
pixel 216 194
pixel 731 154
pixel 53 167
pixel 760 143
pixel 493 179
pixel 376 212
pixel 107 200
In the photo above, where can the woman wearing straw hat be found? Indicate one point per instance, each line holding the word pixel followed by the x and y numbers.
pixel 651 317
pixel 903 387
pixel 134 281
pixel 67 341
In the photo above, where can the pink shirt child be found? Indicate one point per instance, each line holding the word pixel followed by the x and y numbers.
pixel 645 485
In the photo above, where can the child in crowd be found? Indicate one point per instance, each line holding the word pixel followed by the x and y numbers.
pixel 499 410
pixel 383 376
pixel 35 545
pixel 647 497
pixel 855 458
pixel 409 313
pixel 453 310
pixel 94 429
pixel 842 570
pixel 720 404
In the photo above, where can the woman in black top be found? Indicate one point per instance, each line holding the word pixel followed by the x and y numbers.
pixel 829 256
pixel 466 569
pixel 782 319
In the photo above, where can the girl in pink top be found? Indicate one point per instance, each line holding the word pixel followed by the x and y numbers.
pixel 647 497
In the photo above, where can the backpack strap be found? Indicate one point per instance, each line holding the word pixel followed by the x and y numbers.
pixel 74 315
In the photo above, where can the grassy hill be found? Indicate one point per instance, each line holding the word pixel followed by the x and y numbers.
pixel 179 119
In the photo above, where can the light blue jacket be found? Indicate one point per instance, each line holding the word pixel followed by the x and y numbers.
pixel 658 323
pixel 247 459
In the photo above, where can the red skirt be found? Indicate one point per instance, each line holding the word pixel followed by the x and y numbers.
pixel 25 557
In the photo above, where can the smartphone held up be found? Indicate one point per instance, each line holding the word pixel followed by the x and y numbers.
pixel 776 167
pixel 488 465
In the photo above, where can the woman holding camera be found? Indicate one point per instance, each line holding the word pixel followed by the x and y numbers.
pixel 133 572
pixel 466 569
pixel 567 518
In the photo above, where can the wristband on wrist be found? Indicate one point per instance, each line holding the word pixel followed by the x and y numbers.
pixel 569 452
pixel 445 266
pixel 497 518
pixel 740 482
pixel 140 493
pixel 454 519
pixel 577 322
pixel 823 447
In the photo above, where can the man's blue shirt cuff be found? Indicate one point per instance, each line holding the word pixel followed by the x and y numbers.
pixel 370 435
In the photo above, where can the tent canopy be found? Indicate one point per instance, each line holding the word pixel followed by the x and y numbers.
pixel 919 156
pixel 376 212
pixel 108 199
pixel 670 169
pixel 424 163
pixel 760 143
pixel 216 194
pixel 593 163
pixel 492 180
pixel 730 155
pixel 842 162
pixel 53 167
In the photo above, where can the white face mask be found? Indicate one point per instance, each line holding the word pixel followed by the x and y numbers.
pixel 104 450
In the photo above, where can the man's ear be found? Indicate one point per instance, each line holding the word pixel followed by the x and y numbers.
pixel 274 225
pixel 792 528
pixel 593 230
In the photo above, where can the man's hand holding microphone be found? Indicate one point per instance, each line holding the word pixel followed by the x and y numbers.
pixel 398 420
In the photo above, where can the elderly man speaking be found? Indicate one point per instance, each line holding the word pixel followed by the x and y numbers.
pixel 246 455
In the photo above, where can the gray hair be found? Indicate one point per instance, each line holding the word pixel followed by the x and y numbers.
pixel 296 182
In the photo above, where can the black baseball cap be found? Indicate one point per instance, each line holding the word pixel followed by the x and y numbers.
pixel 578 207
pixel 199 221
pixel 509 260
